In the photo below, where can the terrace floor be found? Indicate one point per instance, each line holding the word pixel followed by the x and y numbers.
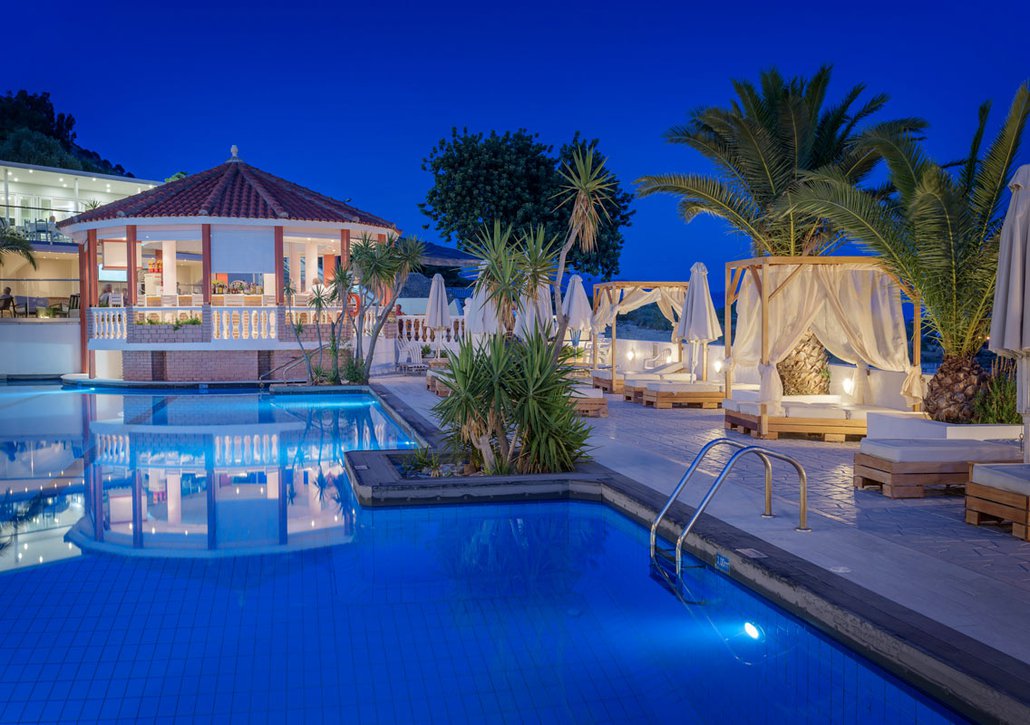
pixel 917 552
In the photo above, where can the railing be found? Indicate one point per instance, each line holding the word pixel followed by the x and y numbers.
pixel 308 315
pixel 246 450
pixel 109 323
pixel 243 323
pixel 165 315
pixel 413 327
pixel 743 449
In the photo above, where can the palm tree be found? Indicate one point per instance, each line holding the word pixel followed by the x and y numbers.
pixel 587 187
pixel 938 232
pixel 14 242
pixel 761 147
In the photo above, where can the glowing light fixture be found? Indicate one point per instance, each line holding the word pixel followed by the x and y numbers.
pixel 718 366
pixel 752 631
pixel 849 386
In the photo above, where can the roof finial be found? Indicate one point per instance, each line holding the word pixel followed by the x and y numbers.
pixel 235 151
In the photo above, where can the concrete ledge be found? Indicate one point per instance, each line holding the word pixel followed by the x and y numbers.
pixel 967 675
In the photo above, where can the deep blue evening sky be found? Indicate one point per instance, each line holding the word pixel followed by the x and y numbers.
pixel 349 97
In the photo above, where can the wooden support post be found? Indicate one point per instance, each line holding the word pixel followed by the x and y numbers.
pixel 278 253
pixel 83 310
pixel 917 339
pixel 615 318
pixel 594 335
pixel 728 333
pixel 345 248
pixel 205 261
pixel 763 421
pixel 131 264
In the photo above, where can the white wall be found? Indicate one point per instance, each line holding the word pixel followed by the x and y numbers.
pixel 44 347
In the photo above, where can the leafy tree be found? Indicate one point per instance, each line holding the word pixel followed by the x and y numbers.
pixel 12 241
pixel 30 128
pixel 514 178
pixel 762 146
pixel 938 232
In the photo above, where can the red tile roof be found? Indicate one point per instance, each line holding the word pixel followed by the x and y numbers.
pixel 236 190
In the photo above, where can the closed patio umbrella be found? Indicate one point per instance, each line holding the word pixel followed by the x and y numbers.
pixel 1010 320
pixel 534 311
pixel 576 308
pixel 438 317
pixel 481 314
pixel 698 323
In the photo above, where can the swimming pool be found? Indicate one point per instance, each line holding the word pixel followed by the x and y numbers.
pixel 540 612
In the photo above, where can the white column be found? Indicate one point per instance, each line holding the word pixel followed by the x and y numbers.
pixel 310 264
pixel 295 267
pixel 78 206
pixel 7 196
pixel 168 277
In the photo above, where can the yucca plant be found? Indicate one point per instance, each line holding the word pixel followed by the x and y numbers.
pixel 938 231
pixel 511 402
pixel 761 146
pixel 586 187
pixel 998 402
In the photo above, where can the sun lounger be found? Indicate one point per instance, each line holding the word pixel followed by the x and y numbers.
pixel 606 380
pixel 825 416
pixel 669 394
pixel 590 402
pixel 998 493
pixel 903 468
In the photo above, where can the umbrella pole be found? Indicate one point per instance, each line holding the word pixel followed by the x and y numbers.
pixel 704 361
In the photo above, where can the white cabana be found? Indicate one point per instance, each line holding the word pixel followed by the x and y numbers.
pixel 1010 320
pixel 535 312
pixel 854 308
pixel 699 323
pixel 617 298
pixel 576 308
pixel 438 317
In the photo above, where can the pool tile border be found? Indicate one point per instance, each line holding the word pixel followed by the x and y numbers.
pixel 978 681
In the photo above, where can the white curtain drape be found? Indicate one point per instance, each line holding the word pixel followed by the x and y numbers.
pixel 855 313
pixel 606 311
pixel 863 324
pixel 535 312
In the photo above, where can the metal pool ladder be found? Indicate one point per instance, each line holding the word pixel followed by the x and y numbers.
pixel 743 449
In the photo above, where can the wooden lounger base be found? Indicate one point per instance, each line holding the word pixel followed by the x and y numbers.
pixel 433 386
pixel 665 400
pixel 632 393
pixel 986 505
pixel 909 479
pixel 830 430
pixel 591 407
pixel 608 386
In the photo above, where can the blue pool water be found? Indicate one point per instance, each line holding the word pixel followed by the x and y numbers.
pixel 503 613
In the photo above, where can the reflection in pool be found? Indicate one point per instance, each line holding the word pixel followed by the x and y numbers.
pixel 201 471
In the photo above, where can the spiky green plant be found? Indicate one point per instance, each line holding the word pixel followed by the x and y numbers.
pixel 938 232
pixel 761 146
pixel 586 187
pixel 512 402
pixel 12 241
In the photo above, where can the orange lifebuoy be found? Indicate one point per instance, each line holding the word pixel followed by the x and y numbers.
pixel 353 304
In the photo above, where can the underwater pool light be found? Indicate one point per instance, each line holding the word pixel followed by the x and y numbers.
pixel 752 631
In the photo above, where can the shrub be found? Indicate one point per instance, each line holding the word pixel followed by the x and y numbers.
pixel 511 402
pixel 997 401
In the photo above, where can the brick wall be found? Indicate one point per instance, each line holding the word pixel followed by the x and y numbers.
pixel 162 333
pixel 200 365
pixel 136 365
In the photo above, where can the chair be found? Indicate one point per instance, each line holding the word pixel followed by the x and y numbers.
pixel 655 360
pixel 116 299
pixel 409 358
pixel 73 302
pixel 9 304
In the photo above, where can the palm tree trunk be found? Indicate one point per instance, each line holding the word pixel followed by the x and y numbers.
pixel 563 323
pixel 953 389
pixel 806 369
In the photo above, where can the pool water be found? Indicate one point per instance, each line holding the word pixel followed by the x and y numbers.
pixel 540 612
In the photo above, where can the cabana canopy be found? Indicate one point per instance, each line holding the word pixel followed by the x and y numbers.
pixel 617 298
pixel 851 304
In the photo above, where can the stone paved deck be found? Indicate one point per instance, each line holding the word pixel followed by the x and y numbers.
pixel 917 552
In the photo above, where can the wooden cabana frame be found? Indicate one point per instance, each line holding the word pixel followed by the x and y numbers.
pixel 607 291
pixel 770 427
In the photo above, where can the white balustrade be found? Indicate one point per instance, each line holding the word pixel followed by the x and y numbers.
pixel 413 327
pixel 231 324
pixel 109 323
pixel 307 315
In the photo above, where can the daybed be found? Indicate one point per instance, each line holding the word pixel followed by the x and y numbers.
pixel 853 307
pixel 590 402
pixel 633 383
pixel 669 393
pixel 904 468
pixel 998 493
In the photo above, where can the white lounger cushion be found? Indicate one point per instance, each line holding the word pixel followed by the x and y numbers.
pixel 1014 478
pixel 666 387
pixel 602 373
pixel 939 450
pixel 640 378
pixel 585 391
pixel 680 378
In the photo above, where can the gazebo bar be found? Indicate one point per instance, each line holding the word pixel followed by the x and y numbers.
pixel 206 259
